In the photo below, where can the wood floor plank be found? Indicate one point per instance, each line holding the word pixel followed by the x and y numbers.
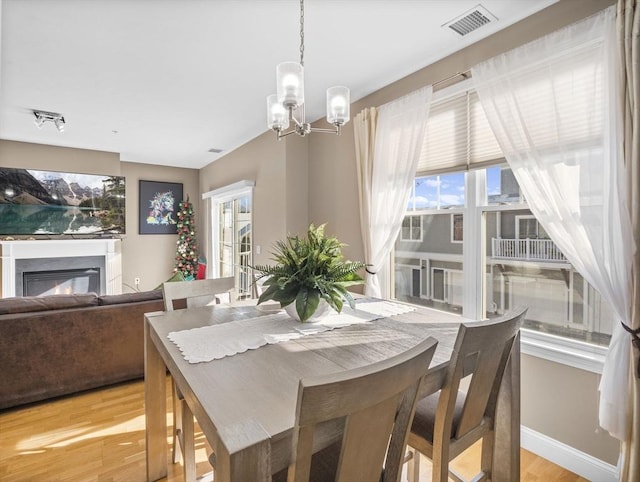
pixel 99 436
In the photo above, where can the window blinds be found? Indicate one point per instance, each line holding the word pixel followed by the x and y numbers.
pixel 458 136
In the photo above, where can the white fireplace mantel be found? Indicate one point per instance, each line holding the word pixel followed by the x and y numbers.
pixel 110 249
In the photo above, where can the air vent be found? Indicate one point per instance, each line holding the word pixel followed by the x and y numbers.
pixel 471 20
pixel 213 150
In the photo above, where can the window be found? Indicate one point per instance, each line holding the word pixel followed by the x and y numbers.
pixel 528 227
pixel 456 228
pixel 431 270
pixel 411 228
pixel 488 253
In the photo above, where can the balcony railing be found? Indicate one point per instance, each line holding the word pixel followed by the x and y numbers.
pixel 526 249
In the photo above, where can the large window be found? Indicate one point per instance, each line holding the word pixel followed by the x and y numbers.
pixel 518 265
pixel 482 252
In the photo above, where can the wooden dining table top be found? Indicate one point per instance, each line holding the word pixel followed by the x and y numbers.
pixel 245 404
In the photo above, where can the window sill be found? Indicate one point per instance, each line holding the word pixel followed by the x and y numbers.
pixel 577 354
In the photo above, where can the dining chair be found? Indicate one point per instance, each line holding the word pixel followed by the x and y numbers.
pixel 376 403
pixel 191 294
pixel 449 421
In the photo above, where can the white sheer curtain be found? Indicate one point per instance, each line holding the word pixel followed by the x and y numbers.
pixel 628 29
pixel 387 153
pixel 553 106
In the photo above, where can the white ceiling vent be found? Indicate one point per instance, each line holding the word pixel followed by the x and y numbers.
pixel 215 150
pixel 471 20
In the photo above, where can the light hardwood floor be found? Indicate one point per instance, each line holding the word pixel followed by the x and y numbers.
pixel 99 436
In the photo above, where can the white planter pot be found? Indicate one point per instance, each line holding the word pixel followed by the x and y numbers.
pixel 321 311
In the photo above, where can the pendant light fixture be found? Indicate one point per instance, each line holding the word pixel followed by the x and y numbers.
pixel 287 106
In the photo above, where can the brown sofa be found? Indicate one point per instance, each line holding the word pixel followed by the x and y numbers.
pixel 61 344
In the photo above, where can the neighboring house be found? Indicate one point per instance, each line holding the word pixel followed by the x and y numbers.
pixel 523 267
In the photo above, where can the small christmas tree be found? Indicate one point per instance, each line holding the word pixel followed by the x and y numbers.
pixel 187 250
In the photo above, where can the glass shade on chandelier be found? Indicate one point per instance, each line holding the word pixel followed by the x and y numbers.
pixel 283 107
pixel 338 105
pixel 277 115
pixel 290 84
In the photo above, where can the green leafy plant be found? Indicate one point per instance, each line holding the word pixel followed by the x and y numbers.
pixel 308 270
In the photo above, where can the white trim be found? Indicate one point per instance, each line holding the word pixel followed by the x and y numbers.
pixel 574 353
pixel 523 263
pixel 452 90
pixel 565 456
pixel 109 248
pixel 473 304
pixel 230 190
pixel 456 258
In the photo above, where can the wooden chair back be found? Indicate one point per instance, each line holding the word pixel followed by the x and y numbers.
pixel 482 350
pixel 197 292
pixel 377 403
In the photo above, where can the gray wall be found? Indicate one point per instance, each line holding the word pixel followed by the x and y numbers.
pixel 436 237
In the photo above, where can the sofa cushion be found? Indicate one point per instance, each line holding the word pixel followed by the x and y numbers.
pixel 130 297
pixel 29 304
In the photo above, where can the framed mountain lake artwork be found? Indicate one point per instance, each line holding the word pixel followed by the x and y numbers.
pixel 45 203
pixel 158 206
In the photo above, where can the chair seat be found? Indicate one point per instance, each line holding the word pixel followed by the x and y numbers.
pixel 424 419
pixel 480 356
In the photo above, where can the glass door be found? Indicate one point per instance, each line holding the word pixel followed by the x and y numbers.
pixel 231 235
pixel 234 255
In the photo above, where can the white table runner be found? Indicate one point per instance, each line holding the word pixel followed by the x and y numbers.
pixel 226 339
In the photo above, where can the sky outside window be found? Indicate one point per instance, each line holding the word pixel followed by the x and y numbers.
pixel 447 190
pixel 493 181
pixel 438 192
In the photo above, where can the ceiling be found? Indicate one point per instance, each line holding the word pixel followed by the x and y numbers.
pixel 165 81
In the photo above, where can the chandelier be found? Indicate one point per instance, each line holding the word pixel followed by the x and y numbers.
pixel 287 106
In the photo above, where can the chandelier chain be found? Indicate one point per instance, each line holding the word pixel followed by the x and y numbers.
pixel 302 32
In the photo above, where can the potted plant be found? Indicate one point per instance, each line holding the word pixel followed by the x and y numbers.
pixel 310 271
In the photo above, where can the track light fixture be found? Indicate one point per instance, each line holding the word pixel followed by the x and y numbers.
pixel 44 116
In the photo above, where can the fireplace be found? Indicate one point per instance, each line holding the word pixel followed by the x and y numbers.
pixel 79 265
pixel 40 276
pixel 63 281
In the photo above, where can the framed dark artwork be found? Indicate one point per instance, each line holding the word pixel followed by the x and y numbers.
pixel 45 203
pixel 158 207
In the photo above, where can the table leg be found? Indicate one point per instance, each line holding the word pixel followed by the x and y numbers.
pixel 506 443
pixel 155 409
pixel 244 460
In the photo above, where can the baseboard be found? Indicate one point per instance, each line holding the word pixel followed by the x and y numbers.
pixel 568 457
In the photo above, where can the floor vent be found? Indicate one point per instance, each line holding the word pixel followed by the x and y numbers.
pixel 471 20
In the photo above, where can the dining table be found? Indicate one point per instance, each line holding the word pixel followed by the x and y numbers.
pixel 238 367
